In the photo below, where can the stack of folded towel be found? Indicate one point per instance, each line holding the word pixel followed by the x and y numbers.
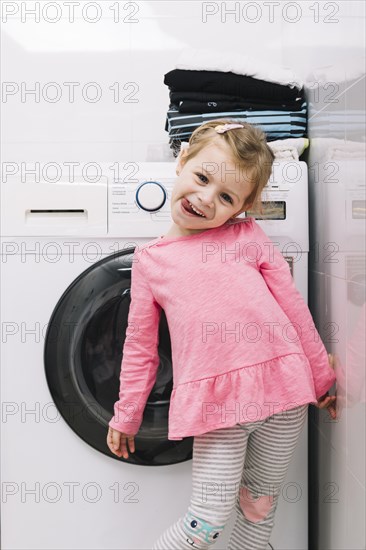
pixel 206 85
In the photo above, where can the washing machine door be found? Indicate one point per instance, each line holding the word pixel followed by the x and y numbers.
pixel 82 357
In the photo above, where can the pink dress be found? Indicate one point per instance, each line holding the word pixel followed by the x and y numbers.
pixel 244 344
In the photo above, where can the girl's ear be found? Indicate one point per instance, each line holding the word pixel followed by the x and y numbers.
pixel 181 160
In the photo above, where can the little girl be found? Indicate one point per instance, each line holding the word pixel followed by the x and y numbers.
pixel 247 358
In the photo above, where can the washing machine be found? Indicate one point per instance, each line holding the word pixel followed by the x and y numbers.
pixel 66 255
pixel 66 272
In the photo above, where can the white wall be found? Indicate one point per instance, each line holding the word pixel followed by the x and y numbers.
pixel 141 53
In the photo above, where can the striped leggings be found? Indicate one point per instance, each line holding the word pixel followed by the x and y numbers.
pixel 244 467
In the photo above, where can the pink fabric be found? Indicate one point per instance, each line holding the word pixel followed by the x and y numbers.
pixel 244 344
pixel 254 508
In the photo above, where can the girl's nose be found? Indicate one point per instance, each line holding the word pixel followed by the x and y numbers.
pixel 206 200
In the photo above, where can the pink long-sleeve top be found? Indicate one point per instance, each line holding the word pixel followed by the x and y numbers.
pixel 244 344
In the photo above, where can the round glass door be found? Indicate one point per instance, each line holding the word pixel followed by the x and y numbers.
pixel 83 354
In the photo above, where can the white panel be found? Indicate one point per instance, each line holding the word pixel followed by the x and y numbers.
pixel 77 208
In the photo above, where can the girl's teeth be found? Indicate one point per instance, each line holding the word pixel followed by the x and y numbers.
pixel 193 208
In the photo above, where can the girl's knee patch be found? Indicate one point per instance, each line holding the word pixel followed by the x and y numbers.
pixel 254 508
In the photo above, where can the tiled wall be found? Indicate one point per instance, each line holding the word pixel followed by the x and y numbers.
pixel 135 52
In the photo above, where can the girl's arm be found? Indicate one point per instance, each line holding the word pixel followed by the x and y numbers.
pixel 140 359
pixel 276 272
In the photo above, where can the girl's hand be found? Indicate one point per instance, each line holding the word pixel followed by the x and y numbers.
pixel 117 442
pixel 327 401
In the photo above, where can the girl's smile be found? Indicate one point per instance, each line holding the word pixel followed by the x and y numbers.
pixel 189 209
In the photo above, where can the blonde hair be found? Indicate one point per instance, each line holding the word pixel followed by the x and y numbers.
pixel 248 146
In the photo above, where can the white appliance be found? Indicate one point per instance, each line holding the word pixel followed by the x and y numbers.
pixel 66 252
pixel 66 262
pixel 338 448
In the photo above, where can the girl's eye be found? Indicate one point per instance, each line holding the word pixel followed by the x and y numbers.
pixel 230 199
pixel 202 177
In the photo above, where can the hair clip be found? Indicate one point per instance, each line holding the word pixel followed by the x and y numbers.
pixel 222 128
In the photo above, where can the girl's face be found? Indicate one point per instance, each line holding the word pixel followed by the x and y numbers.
pixel 213 184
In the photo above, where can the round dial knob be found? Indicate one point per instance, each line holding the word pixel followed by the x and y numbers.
pixel 151 196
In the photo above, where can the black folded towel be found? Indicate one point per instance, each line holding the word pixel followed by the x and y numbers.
pixel 218 106
pixel 227 83
pixel 261 104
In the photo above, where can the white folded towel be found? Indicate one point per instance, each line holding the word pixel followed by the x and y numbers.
pixel 336 74
pixel 210 60
pixel 347 150
pixel 290 148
